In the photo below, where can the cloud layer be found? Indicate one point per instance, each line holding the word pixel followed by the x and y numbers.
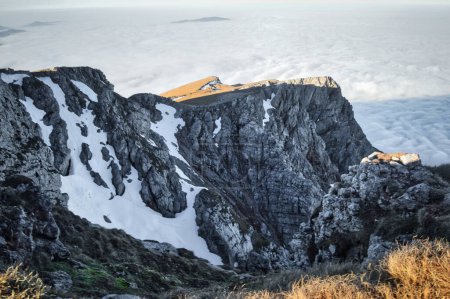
pixel 375 54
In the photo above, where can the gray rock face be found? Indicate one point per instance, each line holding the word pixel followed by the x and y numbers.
pixel 44 99
pixel 125 121
pixel 269 156
pixel 160 247
pixel 29 185
pixel 117 179
pixel 221 227
pixel 85 155
pixel 265 157
pixel 36 150
pixel 377 203
pixel 27 223
pixel 128 123
pixel 21 147
pixel 378 248
pixel 60 281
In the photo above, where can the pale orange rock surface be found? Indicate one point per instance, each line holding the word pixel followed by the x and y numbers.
pixel 212 85
pixel 400 158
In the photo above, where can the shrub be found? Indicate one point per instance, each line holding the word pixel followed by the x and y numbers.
pixel 17 284
pixel 339 286
pixel 418 270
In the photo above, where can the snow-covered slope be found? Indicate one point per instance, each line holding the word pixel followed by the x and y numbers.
pixel 100 204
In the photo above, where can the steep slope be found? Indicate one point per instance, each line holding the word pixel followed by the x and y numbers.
pixel 268 161
pixel 239 177
pixel 71 254
pixel 265 153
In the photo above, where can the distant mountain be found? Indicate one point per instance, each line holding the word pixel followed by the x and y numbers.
pixel 206 19
pixel 6 31
pixel 39 24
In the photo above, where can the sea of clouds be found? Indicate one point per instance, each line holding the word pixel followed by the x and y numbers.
pixel 392 62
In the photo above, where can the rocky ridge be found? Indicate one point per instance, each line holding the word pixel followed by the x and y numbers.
pixel 385 200
pixel 250 169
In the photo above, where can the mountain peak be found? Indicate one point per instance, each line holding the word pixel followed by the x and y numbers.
pixel 212 85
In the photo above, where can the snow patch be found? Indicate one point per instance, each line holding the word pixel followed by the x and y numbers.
pixel 218 124
pixel 181 173
pixel 210 85
pixel 95 138
pixel 149 140
pixel 267 105
pixel 168 127
pixel 36 116
pixel 13 78
pixel 128 212
pixel 86 90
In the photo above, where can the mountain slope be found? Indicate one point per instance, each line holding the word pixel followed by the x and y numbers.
pixel 268 153
pixel 239 178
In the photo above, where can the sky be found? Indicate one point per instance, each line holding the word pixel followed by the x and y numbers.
pixel 390 59
pixel 45 4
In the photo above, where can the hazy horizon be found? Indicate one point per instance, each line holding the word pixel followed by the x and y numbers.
pixel 57 4
pixel 376 53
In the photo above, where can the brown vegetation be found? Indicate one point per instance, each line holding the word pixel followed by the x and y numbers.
pixel 17 284
pixel 419 270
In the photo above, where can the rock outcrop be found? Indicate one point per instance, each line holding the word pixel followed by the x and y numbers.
pixel 249 168
pixel 74 257
pixel 387 198
pixel 269 153
pixel 265 152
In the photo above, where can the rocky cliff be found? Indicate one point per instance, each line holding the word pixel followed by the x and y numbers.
pixel 240 178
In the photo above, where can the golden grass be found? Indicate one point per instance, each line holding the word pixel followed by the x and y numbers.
pixel 339 286
pixel 419 270
pixel 17 284
pixel 263 295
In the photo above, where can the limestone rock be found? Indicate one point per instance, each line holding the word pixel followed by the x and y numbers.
pixel 410 160
pixel 272 148
pixel 377 250
pixel 373 206
pixel 60 281
pixel 265 155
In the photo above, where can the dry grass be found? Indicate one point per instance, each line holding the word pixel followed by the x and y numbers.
pixel 263 295
pixel 418 270
pixel 339 286
pixel 17 284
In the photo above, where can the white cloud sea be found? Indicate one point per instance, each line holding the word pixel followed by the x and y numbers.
pixel 392 62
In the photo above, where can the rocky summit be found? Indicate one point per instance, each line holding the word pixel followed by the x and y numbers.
pixel 102 194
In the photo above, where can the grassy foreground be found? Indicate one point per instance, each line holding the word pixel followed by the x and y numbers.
pixel 418 270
